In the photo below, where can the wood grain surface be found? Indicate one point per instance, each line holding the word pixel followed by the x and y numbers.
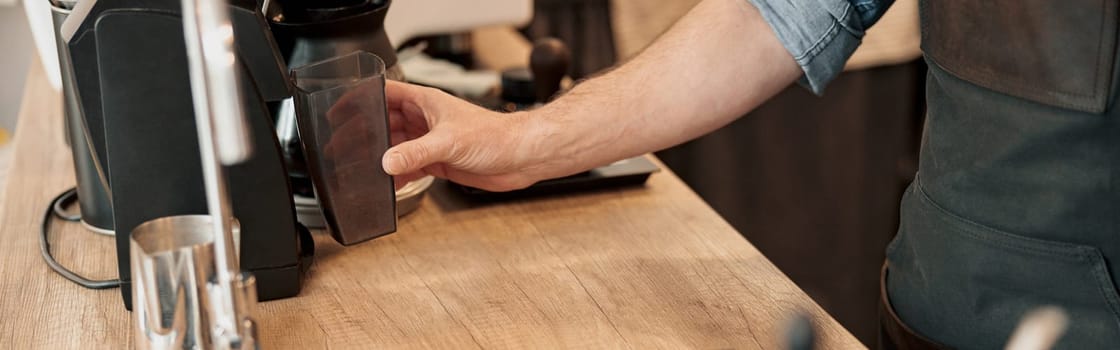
pixel 649 267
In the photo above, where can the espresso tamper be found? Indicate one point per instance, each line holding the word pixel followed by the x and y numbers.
pixel 549 62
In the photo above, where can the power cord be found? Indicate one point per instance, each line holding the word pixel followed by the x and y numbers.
pixel 60 203
pixel 56 208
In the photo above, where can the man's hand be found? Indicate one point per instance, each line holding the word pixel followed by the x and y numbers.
pixel 718 62
pixel 437 134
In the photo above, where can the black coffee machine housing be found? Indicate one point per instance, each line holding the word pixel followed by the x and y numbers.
pixel 131 74
pixel 309 31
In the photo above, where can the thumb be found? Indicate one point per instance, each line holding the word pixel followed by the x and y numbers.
pixel 412 156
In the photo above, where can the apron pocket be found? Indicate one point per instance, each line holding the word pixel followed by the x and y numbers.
pixel 967 285
pixel 1057 53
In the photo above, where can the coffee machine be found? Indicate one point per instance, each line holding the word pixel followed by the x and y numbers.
pixel 309 31
pixel 133 90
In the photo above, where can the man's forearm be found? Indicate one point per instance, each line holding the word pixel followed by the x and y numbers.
pixel 718 62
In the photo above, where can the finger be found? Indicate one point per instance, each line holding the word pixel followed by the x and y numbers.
pixel 493 183
pixel 397 120
pixel 414 100
pixel 353 135
pixel 356 102
pixel 341 112
pixel 360 91
pixel 413 155
pixel 400 181
pixel 398 93
pixel 398 137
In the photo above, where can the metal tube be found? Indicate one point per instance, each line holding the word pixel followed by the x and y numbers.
pixel 223 139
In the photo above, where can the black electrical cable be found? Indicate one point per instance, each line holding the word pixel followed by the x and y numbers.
pixel 63 201
pixel 55 208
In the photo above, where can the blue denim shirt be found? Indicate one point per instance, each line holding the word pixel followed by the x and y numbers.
pixel 821 34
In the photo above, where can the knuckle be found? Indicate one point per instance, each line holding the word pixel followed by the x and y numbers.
pixel 427 95
pixel 431 91
pixel 420 152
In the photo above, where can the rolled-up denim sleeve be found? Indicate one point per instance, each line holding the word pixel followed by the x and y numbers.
pixel 820 34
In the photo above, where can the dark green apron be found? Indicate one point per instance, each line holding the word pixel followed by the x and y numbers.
pixel 1017 200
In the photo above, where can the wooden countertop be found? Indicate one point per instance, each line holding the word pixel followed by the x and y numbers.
pixel 650 267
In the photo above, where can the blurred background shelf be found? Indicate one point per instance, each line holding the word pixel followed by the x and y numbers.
pixel 14 62
pixel 13 71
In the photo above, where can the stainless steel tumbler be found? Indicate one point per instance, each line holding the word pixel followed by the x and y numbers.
pixel 174 289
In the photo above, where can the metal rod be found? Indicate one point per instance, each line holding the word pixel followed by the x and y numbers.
pixel 223 139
